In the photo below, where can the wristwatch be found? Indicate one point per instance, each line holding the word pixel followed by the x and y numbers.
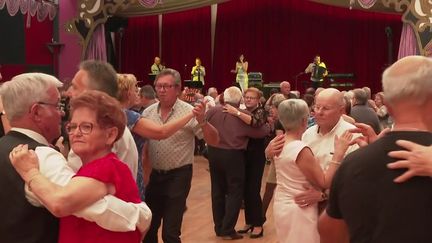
pixel 238 113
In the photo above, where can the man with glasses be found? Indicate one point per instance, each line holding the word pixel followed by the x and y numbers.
pixel 31 102
pixel 171 159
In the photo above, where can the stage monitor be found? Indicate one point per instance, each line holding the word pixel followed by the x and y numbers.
pixel 152 77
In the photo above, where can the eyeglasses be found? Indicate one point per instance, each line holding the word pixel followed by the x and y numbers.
pixel 58 106
pixel 165 87
pixel 84 128
pixel 250 98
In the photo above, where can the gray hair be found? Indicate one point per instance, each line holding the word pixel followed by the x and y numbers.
pixel 211 90
pixel 277 99
pixel 232 95
pixel 410 78
pixel 172 72
pixel 361 96
pixel 102 76
pixel 292 113
pixel 147 92
pixel 19 94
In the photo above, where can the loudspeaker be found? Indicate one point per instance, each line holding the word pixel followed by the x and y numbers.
pixel 268 89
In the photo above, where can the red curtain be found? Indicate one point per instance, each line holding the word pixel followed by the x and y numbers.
pixel 185 36
pixel 278 38
pixel 140 44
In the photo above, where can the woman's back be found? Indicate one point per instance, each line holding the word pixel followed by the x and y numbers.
pixel 290 180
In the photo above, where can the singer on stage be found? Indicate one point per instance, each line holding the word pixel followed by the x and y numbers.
pixel 198 71
pixel 318 71
pixel 241 71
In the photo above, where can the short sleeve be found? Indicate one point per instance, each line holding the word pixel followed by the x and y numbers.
pixel 132 118
pixel 333 209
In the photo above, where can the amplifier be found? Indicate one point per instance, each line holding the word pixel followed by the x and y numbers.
pixel 255 76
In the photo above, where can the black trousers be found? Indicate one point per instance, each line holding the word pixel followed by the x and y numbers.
pixel 227 184
pixel 254 169
pixel 166 196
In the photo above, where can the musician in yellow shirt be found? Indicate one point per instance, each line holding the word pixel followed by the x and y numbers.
pixel 318 71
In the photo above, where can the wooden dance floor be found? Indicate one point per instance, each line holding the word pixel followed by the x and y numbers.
pixel 198 223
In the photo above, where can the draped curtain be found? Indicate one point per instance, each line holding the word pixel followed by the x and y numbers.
pixel 278 38
pixel 408 42
pixel 185 36
pixel 97 47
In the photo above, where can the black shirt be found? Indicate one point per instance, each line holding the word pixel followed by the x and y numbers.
pixel 376 209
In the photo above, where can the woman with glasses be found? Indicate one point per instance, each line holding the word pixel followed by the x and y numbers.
pixel 97 122
pixel 255 161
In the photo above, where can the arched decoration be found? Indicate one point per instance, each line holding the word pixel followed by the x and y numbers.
pixel 41 8
pixel 91 13
pixel 416 13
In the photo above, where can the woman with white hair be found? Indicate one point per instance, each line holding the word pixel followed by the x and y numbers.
pixel 296 167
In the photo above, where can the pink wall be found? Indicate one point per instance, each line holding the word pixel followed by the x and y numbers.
pixel 71 52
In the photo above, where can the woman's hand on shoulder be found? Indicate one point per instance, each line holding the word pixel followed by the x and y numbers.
pixel 24 161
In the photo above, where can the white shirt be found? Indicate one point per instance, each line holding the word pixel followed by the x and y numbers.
pixel 109 212
pixel 124 148
pixel 323 145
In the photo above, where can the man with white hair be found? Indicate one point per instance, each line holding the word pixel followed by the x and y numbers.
pixel 365 203
pixel 32 105
pixel 285 89
pixel 227 165
pixel 329 107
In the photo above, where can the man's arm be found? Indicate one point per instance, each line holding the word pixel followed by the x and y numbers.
pixel 211 135
pixel 109 213
pixel 332 230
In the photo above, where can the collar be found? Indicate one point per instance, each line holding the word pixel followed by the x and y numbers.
pixel 333 129
pixel 32 134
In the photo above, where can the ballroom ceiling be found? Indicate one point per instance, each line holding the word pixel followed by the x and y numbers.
pixel 135 9
pixel 378 6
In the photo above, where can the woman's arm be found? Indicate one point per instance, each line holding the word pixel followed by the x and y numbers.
pixel 61 201
pixel 310 167
pixel 245 66
pixel 234 111
pixel 149 129
pixel 78 194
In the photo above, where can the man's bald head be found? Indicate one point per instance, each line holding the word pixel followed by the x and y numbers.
pixel 331 94
pixel 329 107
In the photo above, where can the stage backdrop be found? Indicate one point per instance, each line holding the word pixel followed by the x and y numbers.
pixel 278 38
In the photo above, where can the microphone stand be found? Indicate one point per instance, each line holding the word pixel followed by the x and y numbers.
pixel 296 79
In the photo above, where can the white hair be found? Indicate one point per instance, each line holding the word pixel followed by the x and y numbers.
pixel 19 94
pixel 292 113
pixel 232 95
pixel 410 78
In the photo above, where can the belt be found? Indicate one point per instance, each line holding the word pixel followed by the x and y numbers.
pixel 165 172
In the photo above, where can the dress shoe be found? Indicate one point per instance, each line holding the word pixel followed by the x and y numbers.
pixel 233 236
pixel 259 235
pixel 246 229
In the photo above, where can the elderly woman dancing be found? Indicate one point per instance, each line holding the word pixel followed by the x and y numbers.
pixel 97 122
pixel 295 168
